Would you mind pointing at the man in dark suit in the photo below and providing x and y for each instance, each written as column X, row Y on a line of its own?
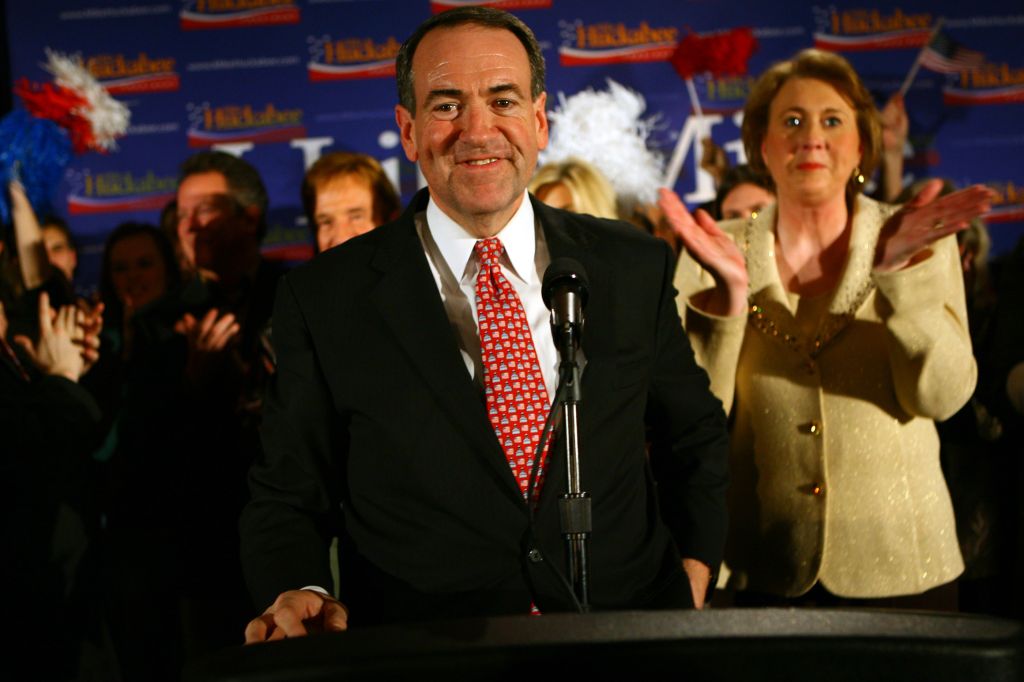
column 379, row 404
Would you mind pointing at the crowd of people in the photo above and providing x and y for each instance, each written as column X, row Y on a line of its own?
column 358, row 426
column 162, row 379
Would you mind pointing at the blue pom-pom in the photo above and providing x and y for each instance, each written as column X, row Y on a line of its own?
column 35, row 152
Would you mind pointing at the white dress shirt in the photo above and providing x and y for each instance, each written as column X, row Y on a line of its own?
column 453, row 262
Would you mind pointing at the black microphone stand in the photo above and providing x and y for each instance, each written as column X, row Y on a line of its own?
column 574, row 505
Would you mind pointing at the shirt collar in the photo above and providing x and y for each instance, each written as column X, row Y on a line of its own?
column 456, row 244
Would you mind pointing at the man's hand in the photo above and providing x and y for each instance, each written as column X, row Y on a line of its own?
column 209, row 335
column 296, row 613
column 699, row 574
column 207, row 339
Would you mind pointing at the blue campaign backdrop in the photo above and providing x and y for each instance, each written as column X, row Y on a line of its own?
column 281, row 81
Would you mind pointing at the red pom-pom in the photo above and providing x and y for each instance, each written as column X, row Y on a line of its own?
column 723, row 53
column 688, row 57
column 60, row 105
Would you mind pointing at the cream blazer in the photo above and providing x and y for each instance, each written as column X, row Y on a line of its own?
column 835, row 458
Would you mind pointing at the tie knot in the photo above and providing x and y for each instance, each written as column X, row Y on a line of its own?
column 489, row 251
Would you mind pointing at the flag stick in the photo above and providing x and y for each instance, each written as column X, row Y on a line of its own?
column 675, row 164
column 917, row 62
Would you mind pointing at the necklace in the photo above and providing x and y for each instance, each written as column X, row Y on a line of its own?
column 830, row 326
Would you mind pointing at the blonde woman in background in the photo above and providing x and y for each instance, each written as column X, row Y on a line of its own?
column 575, row 185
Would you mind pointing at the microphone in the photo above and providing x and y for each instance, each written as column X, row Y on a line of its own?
column 565, row 291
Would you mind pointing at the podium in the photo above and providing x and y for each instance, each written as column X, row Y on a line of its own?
column 721, row 645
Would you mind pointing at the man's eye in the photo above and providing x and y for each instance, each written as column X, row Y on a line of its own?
column 447, row 107
column 504, row 103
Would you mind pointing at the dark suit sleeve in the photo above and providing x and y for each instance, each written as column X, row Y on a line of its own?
column 287, row 526
column 49, row 426
column 688, row 438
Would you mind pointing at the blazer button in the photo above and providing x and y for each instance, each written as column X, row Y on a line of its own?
column 535, row 556
column 817, row 489
column 812, row 427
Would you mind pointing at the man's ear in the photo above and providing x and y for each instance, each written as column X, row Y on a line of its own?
column 252, row 218
column 405, row 121
column 541, row 114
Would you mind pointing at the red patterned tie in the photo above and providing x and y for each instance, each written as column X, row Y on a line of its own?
column 517, row 400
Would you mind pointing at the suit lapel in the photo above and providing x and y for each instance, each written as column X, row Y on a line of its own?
column 568, row 240
column 407, row 298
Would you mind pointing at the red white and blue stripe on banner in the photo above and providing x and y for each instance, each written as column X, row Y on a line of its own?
column 281, row 81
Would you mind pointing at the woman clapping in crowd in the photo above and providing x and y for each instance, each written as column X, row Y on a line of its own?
column 834, row 330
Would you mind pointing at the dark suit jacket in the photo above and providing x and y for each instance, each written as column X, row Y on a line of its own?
column 372, row 408
column 48, row 427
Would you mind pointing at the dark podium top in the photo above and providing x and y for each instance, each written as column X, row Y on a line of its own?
column 723, row 644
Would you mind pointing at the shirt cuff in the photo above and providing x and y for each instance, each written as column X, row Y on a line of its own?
column 317, row 588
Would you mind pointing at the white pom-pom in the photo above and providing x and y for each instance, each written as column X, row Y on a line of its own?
column 107, row 117
column 606, row 128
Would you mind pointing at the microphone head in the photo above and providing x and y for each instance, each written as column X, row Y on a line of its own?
column 565, row 272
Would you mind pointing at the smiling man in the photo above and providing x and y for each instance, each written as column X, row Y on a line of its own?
column 416, row 366
column 344, row 195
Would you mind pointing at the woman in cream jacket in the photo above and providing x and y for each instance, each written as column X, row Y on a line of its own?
column 834, row 331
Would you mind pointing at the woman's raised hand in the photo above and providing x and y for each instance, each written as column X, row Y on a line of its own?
column 714, row 250
column 907, row 235
column 55, row 352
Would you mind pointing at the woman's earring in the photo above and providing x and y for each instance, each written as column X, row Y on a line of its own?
column 858, row 177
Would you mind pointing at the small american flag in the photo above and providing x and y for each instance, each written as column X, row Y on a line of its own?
column 945, row 55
